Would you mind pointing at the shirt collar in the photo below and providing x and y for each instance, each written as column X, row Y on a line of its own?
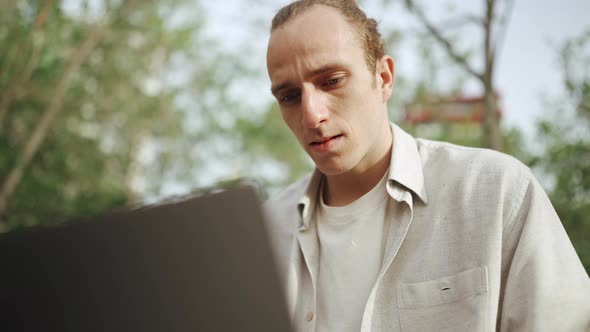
column 405, row 168
column 307, row 202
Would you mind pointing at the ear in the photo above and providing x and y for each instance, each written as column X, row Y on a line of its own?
column 386, row 71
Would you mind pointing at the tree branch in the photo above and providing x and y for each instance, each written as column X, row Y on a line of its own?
column 491, row 127
column 488, row 47
column 449, row 24
column 11, row 91
column 501, row 35
column 435, row 32
column 77, row 58
column 457, row 22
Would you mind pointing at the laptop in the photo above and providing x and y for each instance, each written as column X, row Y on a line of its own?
column 197, row 264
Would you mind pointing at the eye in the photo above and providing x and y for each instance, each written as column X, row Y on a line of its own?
column 290, row 97
column 332, row 82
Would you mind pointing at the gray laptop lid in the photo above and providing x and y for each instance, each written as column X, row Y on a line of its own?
column 202, row 264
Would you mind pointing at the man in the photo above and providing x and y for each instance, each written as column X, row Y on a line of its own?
column 392, row 233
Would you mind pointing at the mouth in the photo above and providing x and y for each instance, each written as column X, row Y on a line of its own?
column 325, row 143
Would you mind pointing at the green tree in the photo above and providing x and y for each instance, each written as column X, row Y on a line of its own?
column 565, row 136
column 269, row 140
column 426, row 93
column 491, row 26
column 85, row 95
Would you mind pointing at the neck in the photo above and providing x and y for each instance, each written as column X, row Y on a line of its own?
column 343, row 189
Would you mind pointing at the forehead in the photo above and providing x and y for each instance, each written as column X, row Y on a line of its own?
column 319, row 37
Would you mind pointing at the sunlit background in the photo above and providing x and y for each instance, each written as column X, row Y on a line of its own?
column 107, row 103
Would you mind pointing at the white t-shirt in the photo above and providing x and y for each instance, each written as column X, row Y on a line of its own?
column 352, row 241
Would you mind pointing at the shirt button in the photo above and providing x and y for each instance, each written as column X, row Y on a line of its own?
column 309, row 316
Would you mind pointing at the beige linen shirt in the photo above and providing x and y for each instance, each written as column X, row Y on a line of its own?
column 475, row 246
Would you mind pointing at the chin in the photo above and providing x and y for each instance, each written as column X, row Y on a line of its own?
column 331, row 169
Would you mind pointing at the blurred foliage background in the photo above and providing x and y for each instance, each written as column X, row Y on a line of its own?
column 107, row 103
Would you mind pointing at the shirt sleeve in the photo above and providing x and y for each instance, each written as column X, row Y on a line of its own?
column 545, row 286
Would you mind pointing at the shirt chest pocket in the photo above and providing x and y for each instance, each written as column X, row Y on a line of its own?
column 454, row 303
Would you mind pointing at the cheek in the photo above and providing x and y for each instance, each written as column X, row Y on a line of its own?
column 292, row 122
column 287, row 117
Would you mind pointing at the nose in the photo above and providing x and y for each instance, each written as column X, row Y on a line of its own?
column 314, row 108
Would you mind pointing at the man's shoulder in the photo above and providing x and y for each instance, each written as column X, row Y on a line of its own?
column 478, row 166
column 458, row 155
column 289, row 196
column 281, row 208
column 475, row 179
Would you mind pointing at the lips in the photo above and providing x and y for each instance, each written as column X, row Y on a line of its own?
column 324, row 144
column 324, row 140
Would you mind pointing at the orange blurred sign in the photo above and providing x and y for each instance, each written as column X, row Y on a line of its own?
column 455, row 109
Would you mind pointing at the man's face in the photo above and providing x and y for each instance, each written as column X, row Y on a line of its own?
column 333, row 103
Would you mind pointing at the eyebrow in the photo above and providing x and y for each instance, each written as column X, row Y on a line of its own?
column 327, row 68
column 275, row 89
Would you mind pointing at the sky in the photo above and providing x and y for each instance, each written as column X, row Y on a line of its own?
column 527, row 67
